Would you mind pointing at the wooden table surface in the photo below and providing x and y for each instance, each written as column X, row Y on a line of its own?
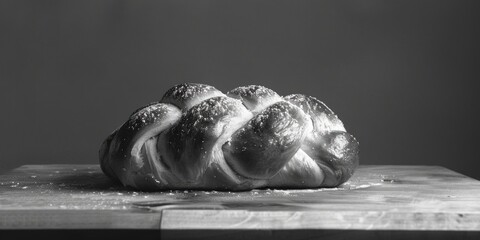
column 414, row 198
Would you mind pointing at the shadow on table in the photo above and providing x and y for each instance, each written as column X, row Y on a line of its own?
column 87, row 181
column 234, row 234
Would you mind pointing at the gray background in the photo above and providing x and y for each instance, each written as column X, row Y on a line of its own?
column 400, row 74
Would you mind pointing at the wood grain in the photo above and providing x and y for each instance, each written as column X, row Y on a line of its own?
column 376, row 198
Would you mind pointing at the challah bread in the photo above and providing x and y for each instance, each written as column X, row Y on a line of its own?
column 196, row 137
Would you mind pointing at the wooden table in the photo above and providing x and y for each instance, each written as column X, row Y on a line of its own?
column 387, row 200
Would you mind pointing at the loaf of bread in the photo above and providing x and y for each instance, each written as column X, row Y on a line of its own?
column 197, row 137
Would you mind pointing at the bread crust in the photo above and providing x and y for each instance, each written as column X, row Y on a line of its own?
column 196, row 137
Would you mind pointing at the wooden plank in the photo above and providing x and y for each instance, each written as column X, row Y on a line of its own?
column 75, row 219
column 326, row 219
column 69, row 197
column 376, row 198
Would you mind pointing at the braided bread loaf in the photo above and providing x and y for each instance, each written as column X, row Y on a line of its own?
column 196, row 137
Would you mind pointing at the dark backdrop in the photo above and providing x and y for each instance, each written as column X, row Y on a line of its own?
column 400, row 74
